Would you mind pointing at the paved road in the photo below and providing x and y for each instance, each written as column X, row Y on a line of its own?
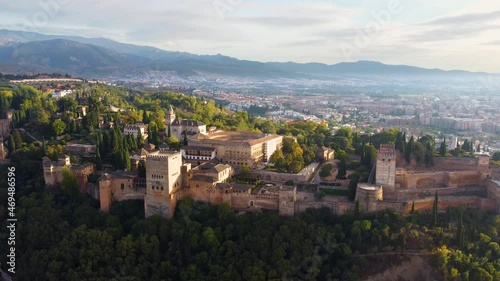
column 30, row 135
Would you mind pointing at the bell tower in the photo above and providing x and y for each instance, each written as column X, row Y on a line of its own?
column 170, row 118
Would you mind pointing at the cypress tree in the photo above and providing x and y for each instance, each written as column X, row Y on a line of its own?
column 363, row 155
column 465, row 146
column 11, row 145
column 145, row 117
column 435, row 209
column 117, row 160
column 357, row 210
column 399, row 141
column 43, row 145
column 98, row 160
column 100, row 137
column 140, row 141
column 429, row 155
column 153, row 133
column 100, row 143
column 126, row 160
column 461, row 232
column 107, row 142
column 413, row 208
column 142, row 169
column 448, row 215
column 132, row 142
column 117, row 141
column 342, row 169
column 409, row 149
column 353, row 184
column 18, row 139
column 150, row 133
column 442, row 148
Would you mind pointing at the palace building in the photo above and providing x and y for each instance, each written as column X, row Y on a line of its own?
column 240, row 148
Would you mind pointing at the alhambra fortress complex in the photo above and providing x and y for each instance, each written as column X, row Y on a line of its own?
column 203, row 170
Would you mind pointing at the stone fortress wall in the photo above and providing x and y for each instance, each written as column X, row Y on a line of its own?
column 168, row 181
column 458, row 181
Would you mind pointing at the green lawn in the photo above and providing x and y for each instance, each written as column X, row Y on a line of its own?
column 334, row 192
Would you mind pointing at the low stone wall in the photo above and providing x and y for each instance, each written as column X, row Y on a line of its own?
column 463, row 178
column 408, row 180
column 244, row 201
column 338, row 208
column 456, row 163
column 423, row 180
column 414, row 194
column 401, row 207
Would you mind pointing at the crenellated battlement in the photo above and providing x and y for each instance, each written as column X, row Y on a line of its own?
column 387, row 151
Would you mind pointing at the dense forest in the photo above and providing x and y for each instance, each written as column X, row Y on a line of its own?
column 66, row 238
column 63, row 236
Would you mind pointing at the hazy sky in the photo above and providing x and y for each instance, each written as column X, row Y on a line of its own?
column 447, row 34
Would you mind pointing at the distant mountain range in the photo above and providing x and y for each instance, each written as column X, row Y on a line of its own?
column 35, row 52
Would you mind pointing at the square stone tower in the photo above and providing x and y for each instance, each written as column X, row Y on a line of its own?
column 163, row 179
column 386, row 167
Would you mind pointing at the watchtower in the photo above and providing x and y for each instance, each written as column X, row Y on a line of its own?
column 163, row 179
column 105, row 196
column 386, row 167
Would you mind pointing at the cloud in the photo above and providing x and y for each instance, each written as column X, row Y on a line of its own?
column 304, row 43
column 456, row 27
column 464, row 19
column 493, row 43
column 426, row 33
column 454, row 32
column 278, row 22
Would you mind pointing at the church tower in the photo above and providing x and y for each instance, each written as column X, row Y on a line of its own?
column 170, row 116
column 386, row 167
